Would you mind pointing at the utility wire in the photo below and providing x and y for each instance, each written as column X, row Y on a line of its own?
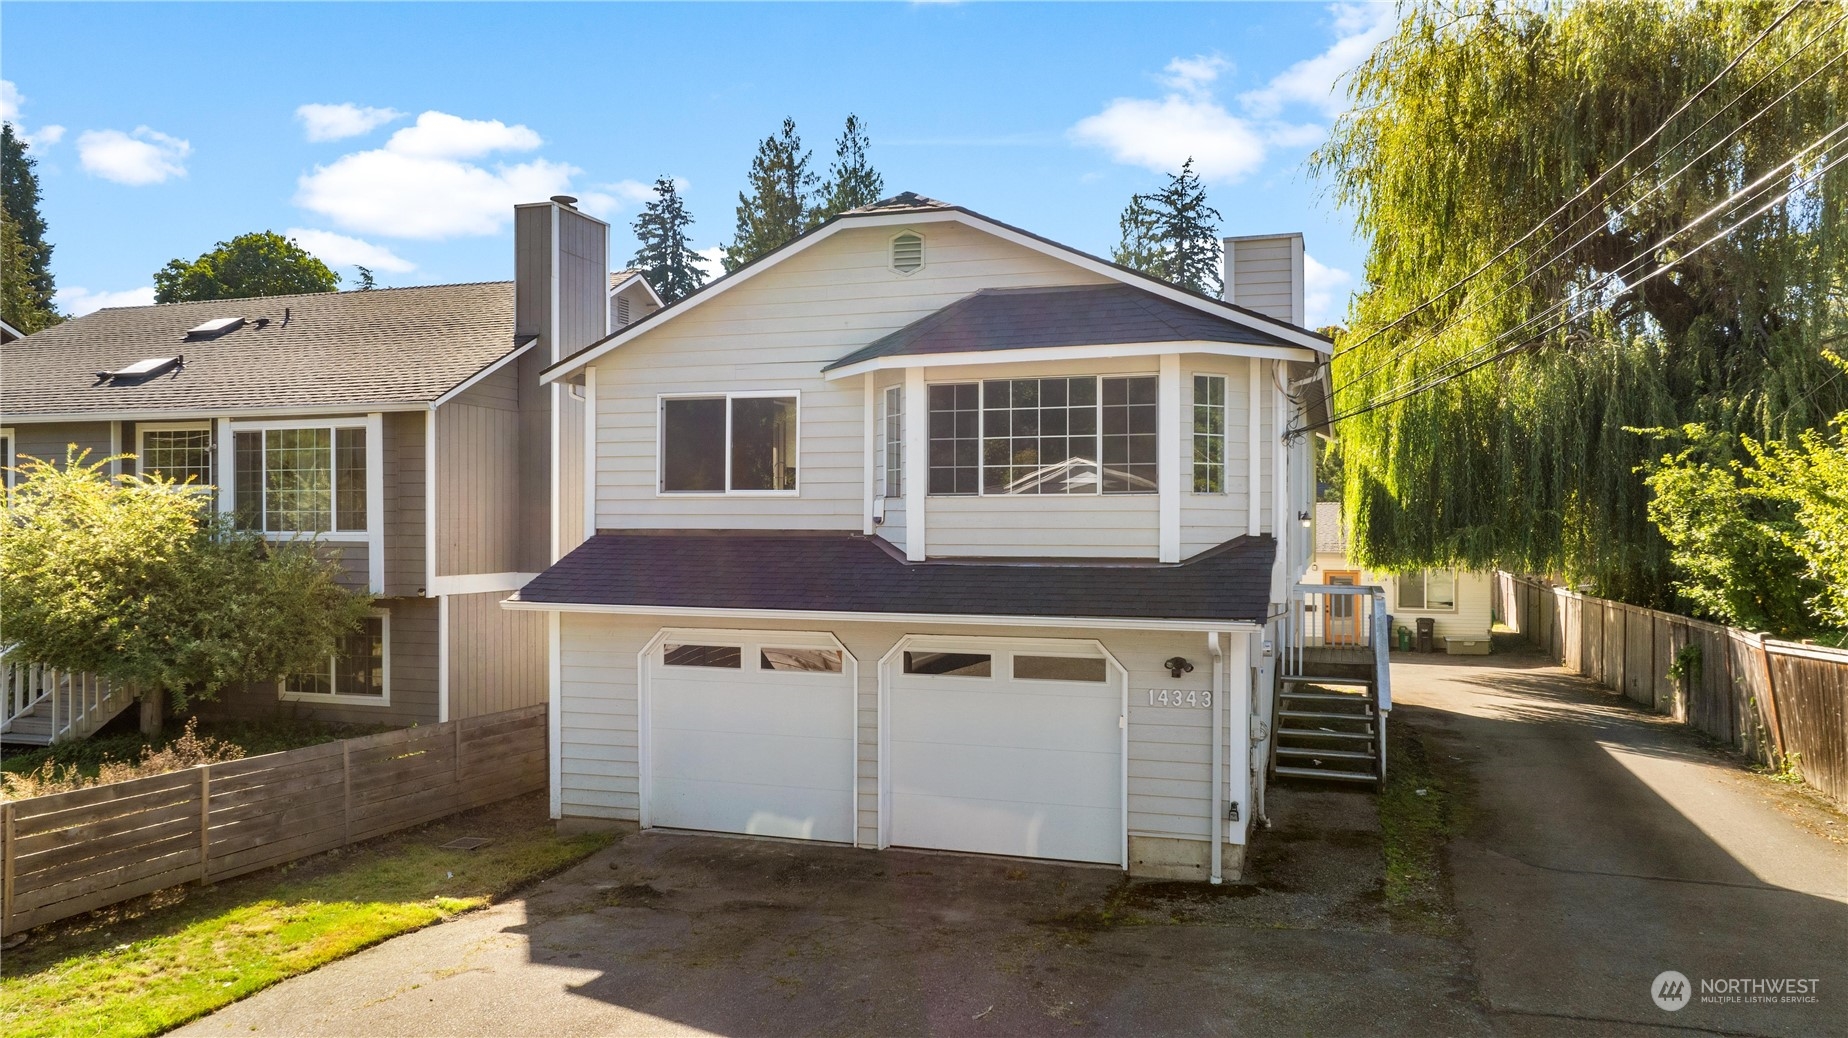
column 1400, row 351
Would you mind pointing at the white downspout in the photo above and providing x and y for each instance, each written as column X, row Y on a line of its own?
column 1215, row 874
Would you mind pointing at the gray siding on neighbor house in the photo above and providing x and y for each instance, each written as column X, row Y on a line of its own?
column 1262, row 274
column 51, row 441
column 497, row 657
column 478, row 473
column 413, row 680
column 405, row 534
column 1170, row 749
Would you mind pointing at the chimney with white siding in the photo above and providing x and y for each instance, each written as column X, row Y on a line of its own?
column 1264, row 272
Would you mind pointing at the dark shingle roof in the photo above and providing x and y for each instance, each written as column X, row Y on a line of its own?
column 1069, row 315
column 838, row 572
column 386, row 346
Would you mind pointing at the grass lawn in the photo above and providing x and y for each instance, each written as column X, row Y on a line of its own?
column 155, row 963
column 122, row 743
column 1425, row 802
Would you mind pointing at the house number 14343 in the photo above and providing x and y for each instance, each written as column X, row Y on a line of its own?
column 1180, row 697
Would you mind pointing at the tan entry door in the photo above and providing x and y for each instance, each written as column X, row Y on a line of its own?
column 1341, row 611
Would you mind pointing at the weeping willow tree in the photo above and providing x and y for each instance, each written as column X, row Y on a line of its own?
column 1479, row 123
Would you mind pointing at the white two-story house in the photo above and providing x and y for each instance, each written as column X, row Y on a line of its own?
column 925, row 531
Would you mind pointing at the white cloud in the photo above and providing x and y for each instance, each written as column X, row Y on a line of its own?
column 80, row 301
column 418, row 186
column 1160, row 135
column 10, row 100
column 44, row 136
column 144, row 157
column 341, row 251
column 1326, row 291
column 606, row 200
column 1192, row 76
column 712, row 261
column 334, row 122
column 438, row 135
column 1317, row 81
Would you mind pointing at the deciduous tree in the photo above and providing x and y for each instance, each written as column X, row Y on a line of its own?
column 262, row 263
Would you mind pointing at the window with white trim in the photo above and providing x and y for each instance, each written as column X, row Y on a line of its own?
column 180, row 453
column 310, row 479
column 1209, row 434
column 1428, row 590
column 1068, row 435
column 6, row 458
column 736, row 443
column 893, row 423
column 360, row 672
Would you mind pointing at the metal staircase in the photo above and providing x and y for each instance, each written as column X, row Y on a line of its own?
column 40, row 705
column 1333, row 686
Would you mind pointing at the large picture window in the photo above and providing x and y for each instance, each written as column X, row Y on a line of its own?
column 728, row 444
column 176, row 452
column 1209, row 434
column 1045, row 436
column 359, row 673
column 1428, row 590
column 303, row 480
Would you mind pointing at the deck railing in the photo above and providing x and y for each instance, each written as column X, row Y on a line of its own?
column 1338, row 623
column 73, row 703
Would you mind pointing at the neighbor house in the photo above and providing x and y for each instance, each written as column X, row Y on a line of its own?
column 405, row 429
column 926, row 531
column 1457, row 602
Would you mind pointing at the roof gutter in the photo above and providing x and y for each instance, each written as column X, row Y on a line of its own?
column 169, row 415
column 1098, row 622
column 1044, row 354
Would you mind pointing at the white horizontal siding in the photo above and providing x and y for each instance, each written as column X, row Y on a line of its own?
column 777, row 331
column 1170, row 748
column 1472, row 617
column 1097, row 525
column 1209, row 520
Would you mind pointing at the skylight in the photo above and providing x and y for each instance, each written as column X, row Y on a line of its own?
column 215, row 327
column 142, row 369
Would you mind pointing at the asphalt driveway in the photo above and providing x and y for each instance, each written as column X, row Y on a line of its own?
column 1598, row 846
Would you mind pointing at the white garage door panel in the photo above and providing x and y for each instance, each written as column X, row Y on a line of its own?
column 997, row 766
column 767, row 753
column 1084, row 779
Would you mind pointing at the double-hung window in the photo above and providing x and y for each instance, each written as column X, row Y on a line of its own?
column 182, row 453
column 1429, row 590
column 1209, row 434
column 359, row 672
column 731, row 443
column 1067, row 435
column 894, row 428
column 305, row 479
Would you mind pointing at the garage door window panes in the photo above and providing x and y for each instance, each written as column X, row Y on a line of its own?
column 1059, row 668
column 807, row 661
column 726, row 657
column 953, row 664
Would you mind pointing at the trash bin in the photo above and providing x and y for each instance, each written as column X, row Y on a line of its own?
column 1405, row 639
column 1427, row 633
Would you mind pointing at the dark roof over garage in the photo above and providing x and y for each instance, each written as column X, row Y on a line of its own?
column 1066, row 315
column 850, row 573
column 385, row 346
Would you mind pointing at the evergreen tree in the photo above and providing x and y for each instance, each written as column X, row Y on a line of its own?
column 664, row 251
column 263, row 263
column 779, row 205
column 1173, row 234
column 852, row 180
column 366, row 281
column 25, row 268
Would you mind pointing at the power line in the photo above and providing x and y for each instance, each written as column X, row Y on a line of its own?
column 1398, row 352
column 1426, row 385
column 1599, row 179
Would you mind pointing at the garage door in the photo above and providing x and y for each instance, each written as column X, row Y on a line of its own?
column 1006, row 751
column 752, row 735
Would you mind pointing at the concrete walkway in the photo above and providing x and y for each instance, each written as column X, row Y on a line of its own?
column 1607, row 845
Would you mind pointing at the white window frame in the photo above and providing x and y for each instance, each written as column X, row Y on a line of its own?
column 12, row 449
column 211, row 450
column 1225, row 433
column 892, row 449
column 373, row 533
column 981, row 435
column 1424, row 576
column 384, row 616
column 661, row 400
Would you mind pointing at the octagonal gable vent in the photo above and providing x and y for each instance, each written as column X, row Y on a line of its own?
column 907, row 252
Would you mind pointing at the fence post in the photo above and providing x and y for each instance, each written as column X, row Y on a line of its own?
column 1763, row 656
column 6, row 870
column 458, row 756
column 205, row 822
column 346, row 792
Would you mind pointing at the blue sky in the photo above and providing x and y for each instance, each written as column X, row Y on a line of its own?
column 400, row 135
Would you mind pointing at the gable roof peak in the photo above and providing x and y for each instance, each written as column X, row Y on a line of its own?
column 902, row 201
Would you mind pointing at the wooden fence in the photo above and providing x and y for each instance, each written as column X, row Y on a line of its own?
column 1766, row 698
column 70, row 853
